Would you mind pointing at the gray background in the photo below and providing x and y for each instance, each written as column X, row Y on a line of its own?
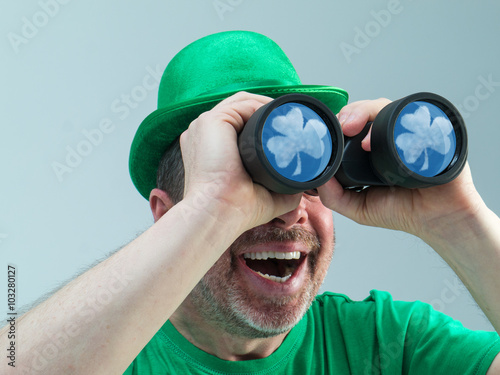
column 67, row 76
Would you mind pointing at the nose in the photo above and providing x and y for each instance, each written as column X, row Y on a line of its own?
column 297, row 216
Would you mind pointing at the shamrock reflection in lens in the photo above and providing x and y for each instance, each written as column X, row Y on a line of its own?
column 425, row 139
column 296, row 142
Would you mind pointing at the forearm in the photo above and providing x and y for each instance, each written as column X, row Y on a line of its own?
column 471, row 246
column 99, row 322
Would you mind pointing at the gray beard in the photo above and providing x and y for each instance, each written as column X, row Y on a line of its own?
column 235, row 314
column 236, row 319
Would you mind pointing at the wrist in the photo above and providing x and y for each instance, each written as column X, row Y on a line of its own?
column 471, row 247
column 461, row 232
column 210, row 217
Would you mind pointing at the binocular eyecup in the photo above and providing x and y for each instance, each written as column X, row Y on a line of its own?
column 295, row 144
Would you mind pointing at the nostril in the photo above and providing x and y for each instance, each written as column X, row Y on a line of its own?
column 277, row 220
column 313, row 192
column 286, row 221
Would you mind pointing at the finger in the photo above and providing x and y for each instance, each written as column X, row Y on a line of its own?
column 234, row 110
column 278, row 204
column 353, row 117
column 366, row 142
column 243, row 95
column 232, row 114
column 237, row 109
column 238, row 113
column 351, row 204
column 336, row 198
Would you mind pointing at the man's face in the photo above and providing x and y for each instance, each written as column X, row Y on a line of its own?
column 251, row 297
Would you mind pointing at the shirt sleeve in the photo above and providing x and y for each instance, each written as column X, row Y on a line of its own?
column 130, row 370
column 429, row 341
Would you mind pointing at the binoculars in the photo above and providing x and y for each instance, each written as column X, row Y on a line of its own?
column 295, row 144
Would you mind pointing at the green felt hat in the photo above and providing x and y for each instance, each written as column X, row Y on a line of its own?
column 200, row 76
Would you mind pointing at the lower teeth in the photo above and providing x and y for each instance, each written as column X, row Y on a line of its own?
column 276, row 279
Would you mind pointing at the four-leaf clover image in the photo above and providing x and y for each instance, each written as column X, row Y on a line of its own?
column 424, row 135
column 296, row 138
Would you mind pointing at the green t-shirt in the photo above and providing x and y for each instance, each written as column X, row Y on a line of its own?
column 341, row 336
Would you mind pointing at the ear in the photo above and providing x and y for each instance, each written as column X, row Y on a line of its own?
column 160, row 203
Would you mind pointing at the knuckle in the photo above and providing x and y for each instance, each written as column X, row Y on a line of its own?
column 183, row 136
column 241, row 94
column 205, row 116
column 384, row 101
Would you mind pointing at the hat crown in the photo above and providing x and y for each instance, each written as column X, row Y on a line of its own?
column 232, row 60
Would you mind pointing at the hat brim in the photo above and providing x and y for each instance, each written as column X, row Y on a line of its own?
column 160, row 129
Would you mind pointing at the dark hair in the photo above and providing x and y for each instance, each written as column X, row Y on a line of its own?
column 170, row 176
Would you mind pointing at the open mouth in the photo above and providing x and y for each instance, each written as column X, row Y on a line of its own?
column 273, row 265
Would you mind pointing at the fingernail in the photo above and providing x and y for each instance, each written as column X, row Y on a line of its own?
column 342, row 117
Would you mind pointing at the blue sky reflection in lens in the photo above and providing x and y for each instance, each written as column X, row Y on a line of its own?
column 296, row 142
column 425, row 139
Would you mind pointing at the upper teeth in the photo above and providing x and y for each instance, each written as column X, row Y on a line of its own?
column 273, row 255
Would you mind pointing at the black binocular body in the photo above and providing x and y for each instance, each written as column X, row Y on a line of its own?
column 295, row 144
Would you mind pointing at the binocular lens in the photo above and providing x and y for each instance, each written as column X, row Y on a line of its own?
column 297, row 142
column 292, row 144
column 425, row 139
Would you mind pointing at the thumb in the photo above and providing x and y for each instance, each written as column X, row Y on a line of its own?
column 273, row 204
column 345, row 202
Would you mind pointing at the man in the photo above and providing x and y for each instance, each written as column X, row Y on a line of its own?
column 198, row 266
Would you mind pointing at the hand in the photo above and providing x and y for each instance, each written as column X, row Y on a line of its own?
column 416, row 211
column 214, row 173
